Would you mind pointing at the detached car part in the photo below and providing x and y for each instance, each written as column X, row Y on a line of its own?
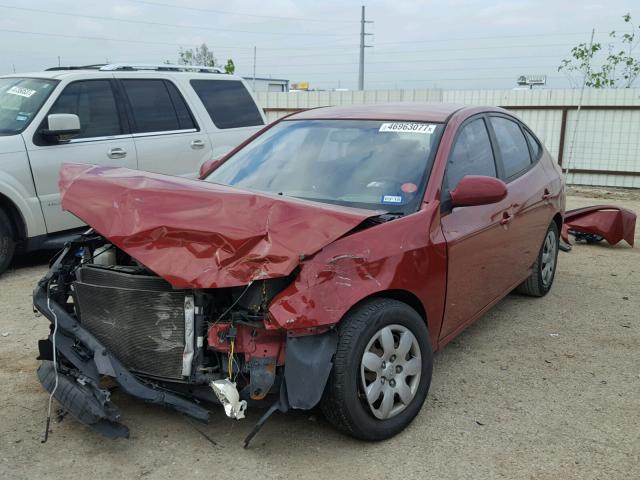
column 592, row 224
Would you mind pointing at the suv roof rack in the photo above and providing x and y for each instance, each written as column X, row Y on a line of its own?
column 160, row 67
column 97, row 66
column 166, row 67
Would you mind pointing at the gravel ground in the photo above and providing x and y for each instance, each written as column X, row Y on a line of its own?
column 537, row 389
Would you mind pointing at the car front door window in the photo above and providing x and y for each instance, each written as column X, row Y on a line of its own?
column 471, row 154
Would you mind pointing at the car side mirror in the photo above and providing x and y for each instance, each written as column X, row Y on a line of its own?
column 478, row 190
column 209, row 166
column 62, row 126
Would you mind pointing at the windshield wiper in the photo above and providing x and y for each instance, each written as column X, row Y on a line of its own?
column 385, row 217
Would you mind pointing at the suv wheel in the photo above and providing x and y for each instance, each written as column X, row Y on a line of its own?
column 7, row 242
column 381, row 372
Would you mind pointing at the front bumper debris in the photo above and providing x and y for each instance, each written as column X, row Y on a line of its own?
column 82, row 395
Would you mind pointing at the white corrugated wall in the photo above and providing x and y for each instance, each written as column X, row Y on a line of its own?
column 596, row 139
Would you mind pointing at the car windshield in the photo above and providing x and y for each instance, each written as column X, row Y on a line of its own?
column 372, row 164
column 20, row 100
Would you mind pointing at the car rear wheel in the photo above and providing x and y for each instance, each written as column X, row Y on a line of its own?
column 381, row 372
column 544, row 270
column 7, row 242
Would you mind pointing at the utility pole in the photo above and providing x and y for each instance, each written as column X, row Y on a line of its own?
column 58, row 60
column 254, row 69
column 362, row 47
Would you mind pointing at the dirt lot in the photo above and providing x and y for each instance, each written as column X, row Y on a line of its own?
column 537, row 389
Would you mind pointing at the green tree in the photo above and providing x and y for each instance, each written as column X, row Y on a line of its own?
column 202, row 55
column 612, row 66
column 229, row 67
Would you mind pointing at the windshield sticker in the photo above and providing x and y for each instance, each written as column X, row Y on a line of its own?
column 408, row 128
column 22, row 118
column 23, row 92
column 393, row 199
column 409, row 187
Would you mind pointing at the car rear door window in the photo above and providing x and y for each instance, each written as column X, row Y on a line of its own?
column 536, row 149
column 95, row 104
column 228, row 103
column 471, row 154
column 514, row 151
column 156, row 106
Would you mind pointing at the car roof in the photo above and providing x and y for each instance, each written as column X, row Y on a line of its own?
column 404, row 111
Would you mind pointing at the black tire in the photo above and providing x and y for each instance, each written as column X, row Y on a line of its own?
column 7, row 242
column 537, row 285
column 344, row 403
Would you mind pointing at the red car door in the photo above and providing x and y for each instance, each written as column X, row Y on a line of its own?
column 477, row 237
column 529, row 211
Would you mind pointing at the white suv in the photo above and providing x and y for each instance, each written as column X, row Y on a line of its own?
column 160, row 118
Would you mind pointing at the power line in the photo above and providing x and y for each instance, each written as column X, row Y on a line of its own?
column 174, row 25
column 146, row 42
column 462, row 69
column 224, row 12
column 425, row 60
column 492, row 37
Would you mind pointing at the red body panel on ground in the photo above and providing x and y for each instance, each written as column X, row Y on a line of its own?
column 612, row 223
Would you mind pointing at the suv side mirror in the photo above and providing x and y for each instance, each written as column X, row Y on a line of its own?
column 62, row 126
column 478, row 190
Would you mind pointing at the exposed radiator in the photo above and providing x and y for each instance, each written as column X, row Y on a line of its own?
column 140, row 319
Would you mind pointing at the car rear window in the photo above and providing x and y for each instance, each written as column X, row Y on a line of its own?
column 514, row 151
column 156, row 106
column 536, row 149
column 228, row 103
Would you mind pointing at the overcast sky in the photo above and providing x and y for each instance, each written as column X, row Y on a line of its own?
column 416, row 44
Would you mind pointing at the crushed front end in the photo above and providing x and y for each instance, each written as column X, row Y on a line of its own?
column 118, row 323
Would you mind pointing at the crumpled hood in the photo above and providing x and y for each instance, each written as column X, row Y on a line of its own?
column 196, row 234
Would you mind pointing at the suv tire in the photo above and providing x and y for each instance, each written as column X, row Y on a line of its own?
column 7, row 242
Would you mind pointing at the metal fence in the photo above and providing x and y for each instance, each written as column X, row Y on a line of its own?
column 600, row 145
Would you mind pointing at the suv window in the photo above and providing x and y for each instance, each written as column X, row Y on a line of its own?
column 471, row 154
column 514, row 151
column 228, row 103
column 536, row 149
column 156, row 106
column 94, row 103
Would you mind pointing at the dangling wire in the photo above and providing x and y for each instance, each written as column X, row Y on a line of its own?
column 55, row 366
column 230, row 358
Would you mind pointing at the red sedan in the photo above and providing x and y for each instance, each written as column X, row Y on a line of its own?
column 321, row 262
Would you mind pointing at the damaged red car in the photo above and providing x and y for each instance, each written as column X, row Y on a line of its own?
column 322, row 262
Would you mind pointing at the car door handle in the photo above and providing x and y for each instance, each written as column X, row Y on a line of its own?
column 547, row 194
column 197, row 144
column 117, row 153
column 506, row 218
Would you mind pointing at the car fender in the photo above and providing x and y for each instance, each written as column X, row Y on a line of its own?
column 407, row 254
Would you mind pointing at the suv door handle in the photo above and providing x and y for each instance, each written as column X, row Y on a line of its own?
column 506, row 218
column 197, row 144
column 547, row 195
column 117, row 153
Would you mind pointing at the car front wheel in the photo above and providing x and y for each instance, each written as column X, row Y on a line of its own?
column 382, row 370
